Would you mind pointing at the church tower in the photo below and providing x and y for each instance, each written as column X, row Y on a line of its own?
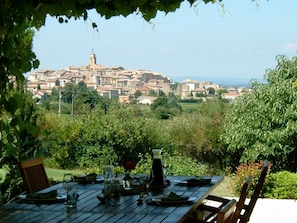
column 92, row 59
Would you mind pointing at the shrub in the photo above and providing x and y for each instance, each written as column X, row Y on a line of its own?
column 243, row 171
column 281, row 185
column 177, row 165
column 185, row 166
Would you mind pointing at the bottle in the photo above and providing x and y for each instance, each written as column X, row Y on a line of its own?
column 116, row 186
column 157, row 169
column 107, row 190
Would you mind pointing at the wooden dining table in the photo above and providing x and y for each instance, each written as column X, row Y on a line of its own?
column 127, row 208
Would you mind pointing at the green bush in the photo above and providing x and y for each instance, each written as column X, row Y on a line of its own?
column 178, row 165
column 281, row 185
column 185, row 166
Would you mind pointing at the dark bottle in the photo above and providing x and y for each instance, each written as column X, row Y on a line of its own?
column 157, row 169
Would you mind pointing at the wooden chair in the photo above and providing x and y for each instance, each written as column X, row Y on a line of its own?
column 248, row 208
column 34, row 175
column 221, row 202
column 243, row 211
column 223, row 215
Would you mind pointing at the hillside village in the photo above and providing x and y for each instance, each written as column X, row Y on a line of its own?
column 116, row 82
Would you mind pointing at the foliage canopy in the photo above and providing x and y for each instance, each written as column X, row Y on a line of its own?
column 262, row 124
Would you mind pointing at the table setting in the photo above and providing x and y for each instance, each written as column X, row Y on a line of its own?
column 114, row 196
column 171, row 199
column 89, row 178
column 194, row 181
column 42, row 198
column 171, row 203
column 151, row 188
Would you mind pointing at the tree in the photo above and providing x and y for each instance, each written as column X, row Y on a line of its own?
column 137, row 94
column 68, row 91
column 211, row 91
column 165, row 106
column 200, row 94
column 221, row 91
column 172, row 102
column 262, row 124
column 152, row 93
column 18, row 125
column 82, row 98
column 16, row 57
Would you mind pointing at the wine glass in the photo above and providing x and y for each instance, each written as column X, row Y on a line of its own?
column 145, row 182
column 166, row 165
column 68, row 177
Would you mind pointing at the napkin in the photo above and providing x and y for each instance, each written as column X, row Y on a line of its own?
column 199, row 181
column 174, row 197
column 43, row 196
column 86, row 178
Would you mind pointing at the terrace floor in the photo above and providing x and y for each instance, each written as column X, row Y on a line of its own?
column 274, row 211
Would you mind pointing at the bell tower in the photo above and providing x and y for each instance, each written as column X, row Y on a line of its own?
column 92, row 61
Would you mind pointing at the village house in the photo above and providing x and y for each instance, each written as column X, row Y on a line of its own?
column 116, row 82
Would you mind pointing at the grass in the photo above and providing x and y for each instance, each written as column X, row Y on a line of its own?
column 225, row 188
column 57, row 174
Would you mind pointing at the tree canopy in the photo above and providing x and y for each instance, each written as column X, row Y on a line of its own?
column 262, row 124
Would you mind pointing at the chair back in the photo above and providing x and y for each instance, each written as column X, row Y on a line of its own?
column 34, row 175
column 243, row 195
column 248, row 209
column 226, row 213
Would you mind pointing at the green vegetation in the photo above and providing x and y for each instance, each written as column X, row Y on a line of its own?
column 281, row 185
column 20, row 18
column 226, row 188
column 74, row 99
column 124, row 132
column 166, row 106
column 56, row 175
column 205, row 138
column 262, row 124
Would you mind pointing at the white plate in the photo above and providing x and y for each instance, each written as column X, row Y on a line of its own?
column 173, row 202
column 60, row 197
column 204, row 181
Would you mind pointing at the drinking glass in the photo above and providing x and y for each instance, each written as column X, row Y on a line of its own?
column 108, row 170
column 71, row 190
column 68, row 177
column 145, row 181
column 71, row 194
column 166, row 165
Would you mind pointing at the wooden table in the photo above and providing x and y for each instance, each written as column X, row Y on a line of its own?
column 89, row 209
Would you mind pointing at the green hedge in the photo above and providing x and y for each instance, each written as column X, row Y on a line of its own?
column 281, row 185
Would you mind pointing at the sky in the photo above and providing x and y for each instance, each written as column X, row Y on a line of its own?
column 233, row 44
